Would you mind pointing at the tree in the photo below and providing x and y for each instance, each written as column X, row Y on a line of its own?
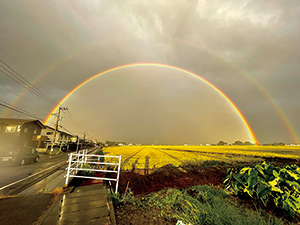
column 222, row 143
column 247, row 143
column 111, row 143
column 238, row 143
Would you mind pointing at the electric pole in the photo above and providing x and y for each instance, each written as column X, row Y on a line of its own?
column 56, row 125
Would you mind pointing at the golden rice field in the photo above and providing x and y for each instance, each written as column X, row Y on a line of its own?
column 141, row 157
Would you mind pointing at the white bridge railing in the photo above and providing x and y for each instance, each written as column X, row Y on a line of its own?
column 76, row 161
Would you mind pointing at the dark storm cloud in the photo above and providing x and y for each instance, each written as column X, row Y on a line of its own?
column 249, row 49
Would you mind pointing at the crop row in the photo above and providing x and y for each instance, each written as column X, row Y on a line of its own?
column 140, row 157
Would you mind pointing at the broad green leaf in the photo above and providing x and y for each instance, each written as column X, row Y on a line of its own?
column 249, row 191
column 262, row 181
column 275, row 174
column 296, row 199
column 295, row 176
column 229, row 170
column 269, row 169
column 276, row 189
column 262, row 191
column 268, row 177
column 293, row 185
column 252, row 181
column 244, row 170
column 274, row 182
column 260, row 169
column 282, row 171
column 285, row 205
column 253, row 172
column 292, row 204
column 235, row 176
column 278, row 200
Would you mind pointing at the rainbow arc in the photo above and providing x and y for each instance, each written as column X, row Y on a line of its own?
column 222, row 94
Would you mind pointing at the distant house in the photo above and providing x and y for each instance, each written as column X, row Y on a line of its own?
column 61, row 137
column 21, row 132
column 65, row 137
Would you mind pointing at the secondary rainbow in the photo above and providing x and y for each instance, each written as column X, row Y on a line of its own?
column 234, row 107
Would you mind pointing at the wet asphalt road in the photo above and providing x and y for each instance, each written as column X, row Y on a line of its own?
column 11, row 173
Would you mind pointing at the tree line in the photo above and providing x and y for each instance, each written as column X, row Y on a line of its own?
column 238, row 142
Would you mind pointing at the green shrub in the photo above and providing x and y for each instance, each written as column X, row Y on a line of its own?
column 268, row 184
column 100, row 152
column 121, row 199
column 86, row 173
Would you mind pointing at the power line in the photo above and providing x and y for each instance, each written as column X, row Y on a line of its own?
column 73, row 120
column 22, row 97
column 15, row 76
column 16, row 109
column 24, row 112
column 68, row 130
column 25, row 71
column 26, row 86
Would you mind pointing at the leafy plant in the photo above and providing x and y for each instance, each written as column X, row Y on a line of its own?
column 268, row 184
column 100, row 152
column 121, row 199
column 87, row 173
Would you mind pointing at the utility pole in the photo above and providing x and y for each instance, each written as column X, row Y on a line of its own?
column 77, row 144
column 56, row 126
column 84, row 137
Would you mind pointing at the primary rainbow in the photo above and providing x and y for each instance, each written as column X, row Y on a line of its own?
column 234, row 107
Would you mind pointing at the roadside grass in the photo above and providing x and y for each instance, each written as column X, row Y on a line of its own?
column 201, row 205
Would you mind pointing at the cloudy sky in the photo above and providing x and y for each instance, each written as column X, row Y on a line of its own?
column 249, row 50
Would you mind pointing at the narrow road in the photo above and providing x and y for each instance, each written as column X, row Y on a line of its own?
column 11, row 173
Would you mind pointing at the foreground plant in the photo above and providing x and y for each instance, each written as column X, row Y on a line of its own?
column 87, row 170
column 202, row 205
column 121, row 199
column 268, row 184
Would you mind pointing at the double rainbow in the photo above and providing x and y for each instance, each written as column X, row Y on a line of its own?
column 233, row 106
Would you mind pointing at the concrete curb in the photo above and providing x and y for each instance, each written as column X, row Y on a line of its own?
column 111, row 210
column 54, row 204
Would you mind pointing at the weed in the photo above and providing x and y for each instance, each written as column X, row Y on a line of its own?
column 202, row 205
column 121, row 199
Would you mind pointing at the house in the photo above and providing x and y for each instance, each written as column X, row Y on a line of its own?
column 21, row 132
column 65, row 137
column 61, row 137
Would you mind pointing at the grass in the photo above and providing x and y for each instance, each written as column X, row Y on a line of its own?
column 201, row 205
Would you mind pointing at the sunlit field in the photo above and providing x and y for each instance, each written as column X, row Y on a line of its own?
column 140, row 157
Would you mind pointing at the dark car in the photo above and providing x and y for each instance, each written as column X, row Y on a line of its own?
column 21, row 155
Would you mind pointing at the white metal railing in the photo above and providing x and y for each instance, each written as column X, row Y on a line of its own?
column 76, row 160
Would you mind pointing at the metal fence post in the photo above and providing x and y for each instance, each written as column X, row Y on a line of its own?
column 119, row 167
column 68, row 172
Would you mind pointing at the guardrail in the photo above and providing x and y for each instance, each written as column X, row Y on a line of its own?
column 77, row 160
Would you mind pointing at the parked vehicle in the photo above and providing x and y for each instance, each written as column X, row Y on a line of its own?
column 57, row 147
column 20, row 155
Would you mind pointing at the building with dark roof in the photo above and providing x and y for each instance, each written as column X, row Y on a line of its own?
column 20, row 132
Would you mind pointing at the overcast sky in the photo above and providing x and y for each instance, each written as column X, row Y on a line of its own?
column 250, row 50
